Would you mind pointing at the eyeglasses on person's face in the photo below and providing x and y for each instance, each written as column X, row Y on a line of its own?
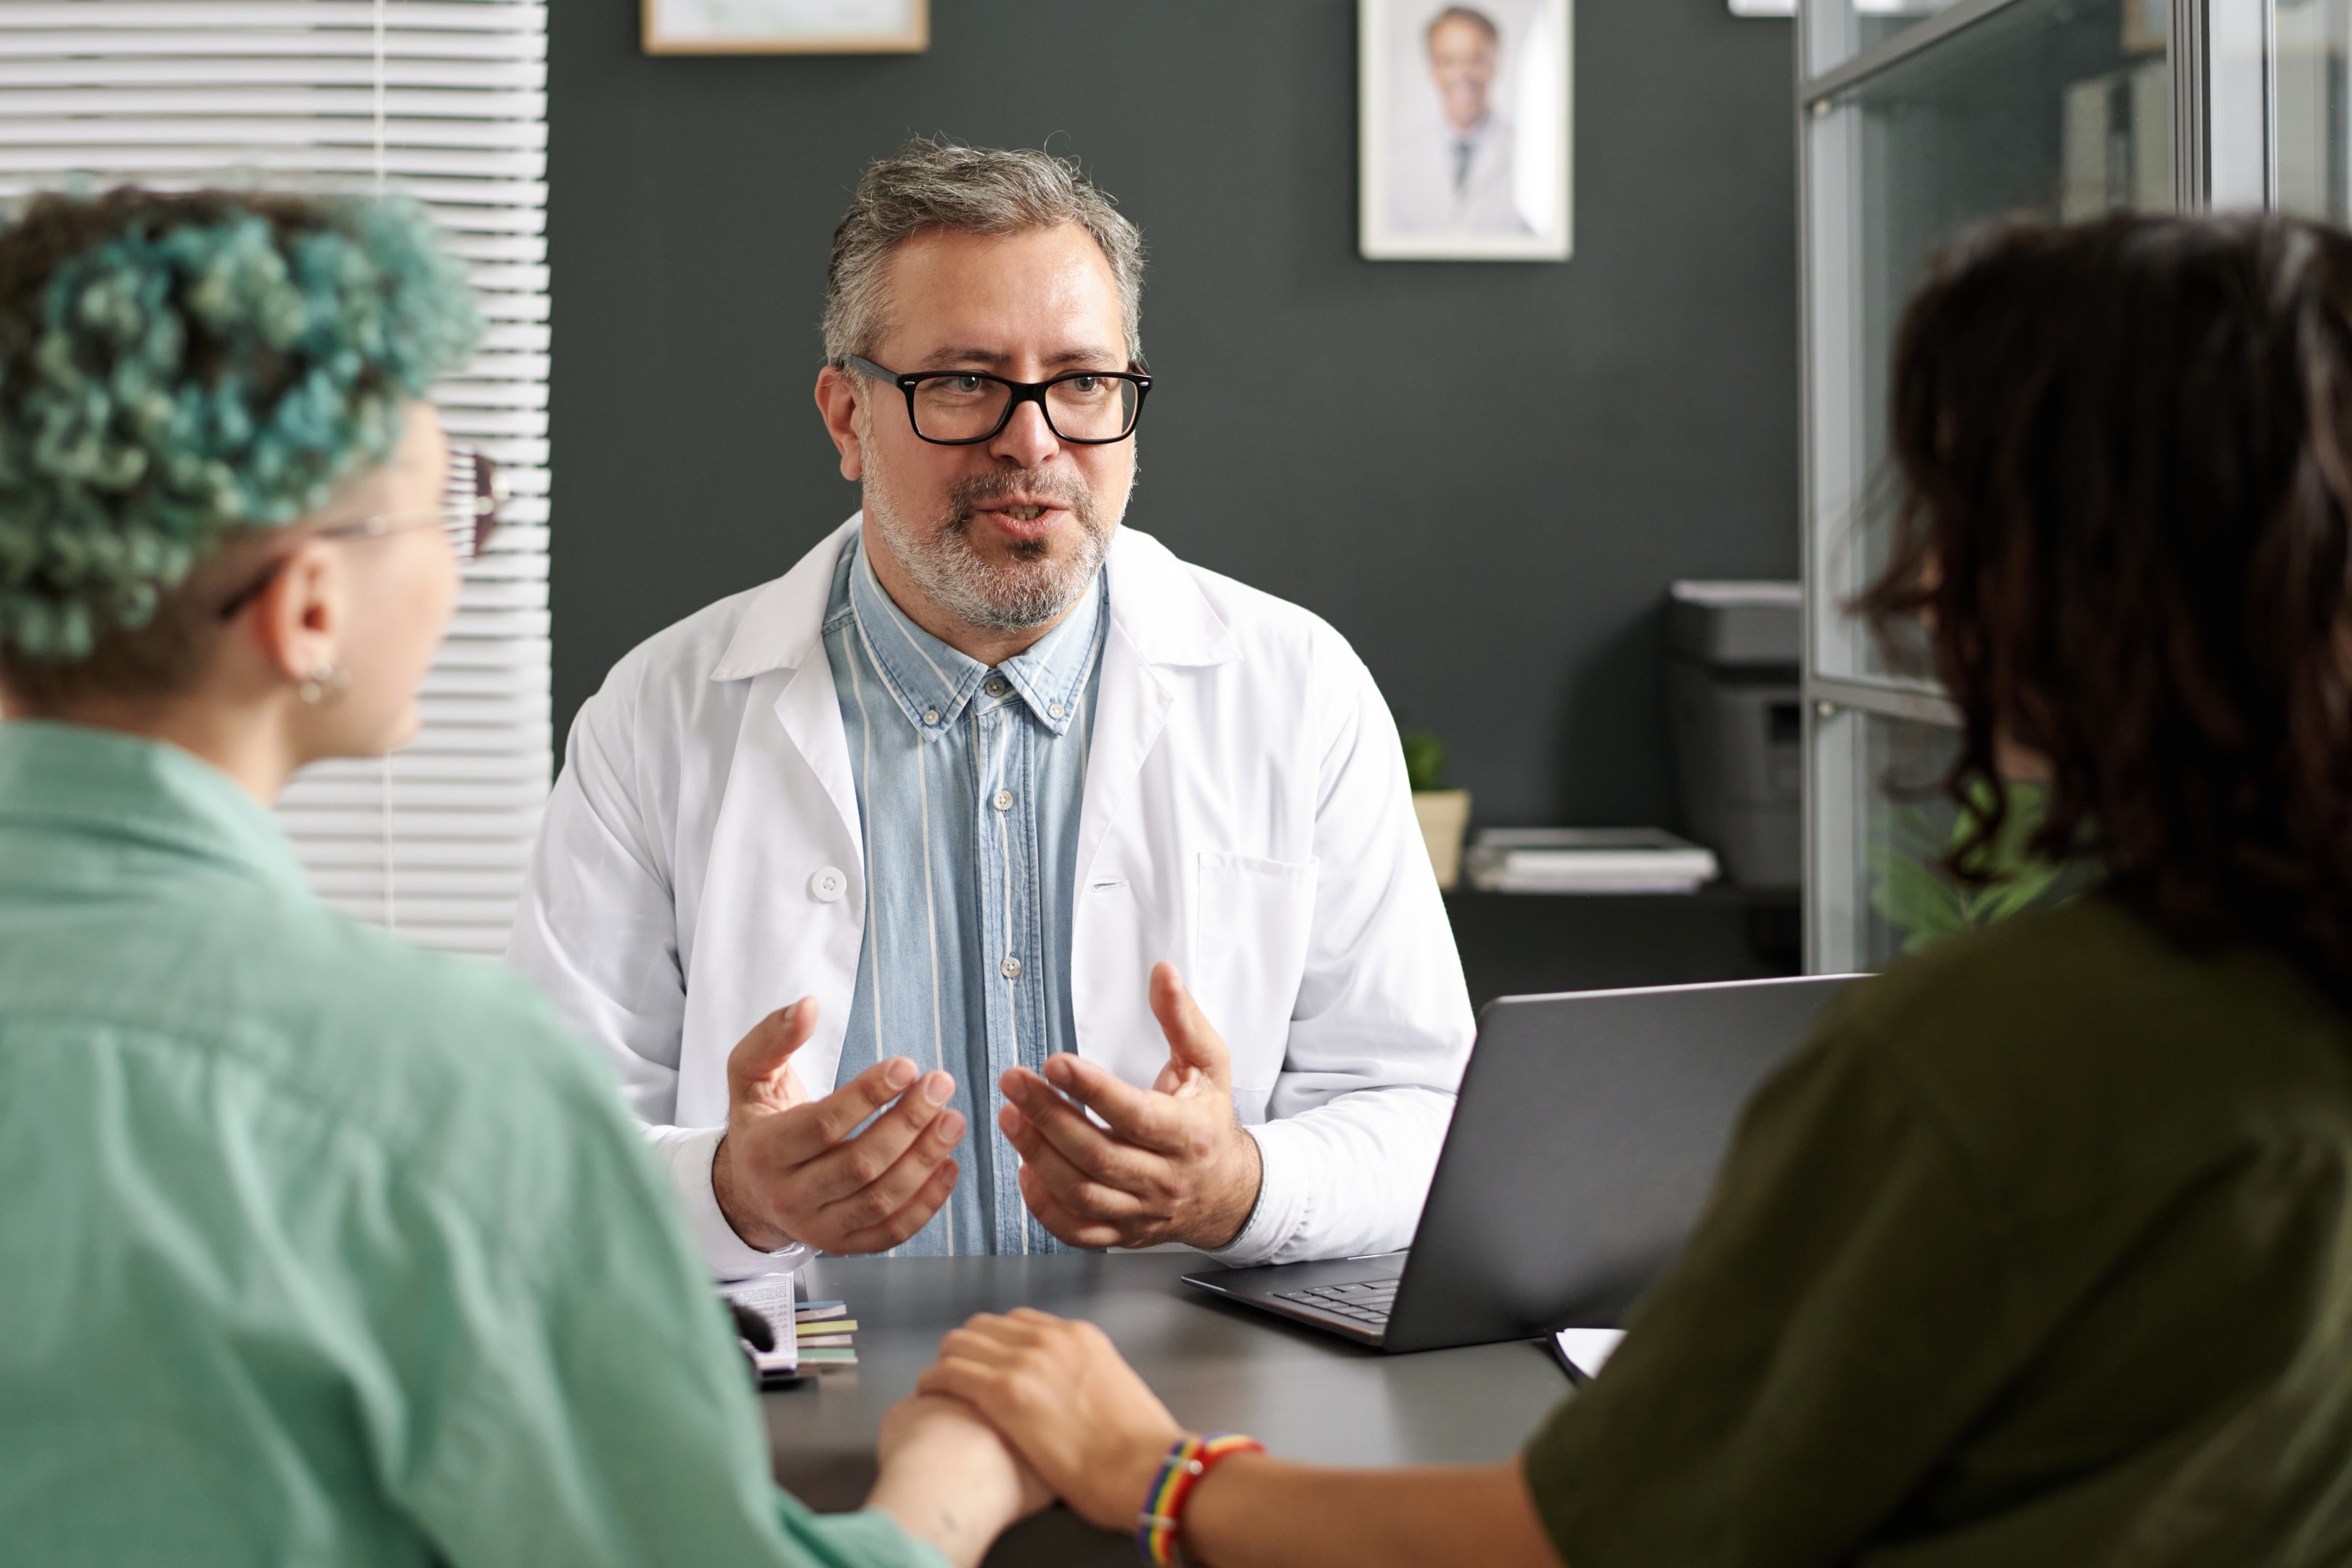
column 965, row 407
column 471, row 500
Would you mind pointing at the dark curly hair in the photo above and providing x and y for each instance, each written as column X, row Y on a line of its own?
column 2124, row 455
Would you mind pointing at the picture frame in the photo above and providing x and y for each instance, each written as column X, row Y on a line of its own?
column 786, row 26
column 1464, row 130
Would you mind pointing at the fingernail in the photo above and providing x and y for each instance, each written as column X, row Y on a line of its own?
column 898, row 1072
column 950, row 1126
column 939, row 1088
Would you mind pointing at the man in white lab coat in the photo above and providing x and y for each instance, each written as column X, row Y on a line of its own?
column 993, row 881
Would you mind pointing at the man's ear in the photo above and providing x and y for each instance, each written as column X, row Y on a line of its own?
column 300, row 619
column 838, row 400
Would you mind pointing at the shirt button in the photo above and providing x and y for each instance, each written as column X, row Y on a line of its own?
column 1053, row 709
column 827, row 886
column 997, row 686
column 1010, row 968
column 1002, row 800
column 931, row 715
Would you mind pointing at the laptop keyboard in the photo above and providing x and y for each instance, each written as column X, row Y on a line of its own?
column 1367, row 1301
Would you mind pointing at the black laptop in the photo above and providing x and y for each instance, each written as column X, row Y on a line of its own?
column 1585, row 1138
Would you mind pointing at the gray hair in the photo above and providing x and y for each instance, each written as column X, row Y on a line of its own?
column 970, row 190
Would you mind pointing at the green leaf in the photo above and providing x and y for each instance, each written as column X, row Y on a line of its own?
column 1424, row 760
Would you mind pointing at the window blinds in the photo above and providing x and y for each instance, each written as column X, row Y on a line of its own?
column 446, row 101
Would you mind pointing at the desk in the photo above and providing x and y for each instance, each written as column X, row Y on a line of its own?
column 1220, row 1367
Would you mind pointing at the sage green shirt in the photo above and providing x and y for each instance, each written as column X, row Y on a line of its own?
column 318, row 1249
column 2039, row 1254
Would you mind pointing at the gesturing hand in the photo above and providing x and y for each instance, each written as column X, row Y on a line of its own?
column 1173, row 1165
column 1058, row 1391
column 788, row 1170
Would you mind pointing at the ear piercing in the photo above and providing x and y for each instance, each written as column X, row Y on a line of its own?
column 326, row 686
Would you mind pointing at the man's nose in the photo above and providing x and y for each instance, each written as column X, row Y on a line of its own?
column 1027, row 439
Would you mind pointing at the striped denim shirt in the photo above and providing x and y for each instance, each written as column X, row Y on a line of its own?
column 970, row 781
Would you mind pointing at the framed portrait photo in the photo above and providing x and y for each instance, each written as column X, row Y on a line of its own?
column 786, row 26
column 1463, row 130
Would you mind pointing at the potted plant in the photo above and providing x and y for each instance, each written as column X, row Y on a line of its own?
column 1912, row 892
column 1444, row 814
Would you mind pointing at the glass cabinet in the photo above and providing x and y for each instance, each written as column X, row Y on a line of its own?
column 1921, row 120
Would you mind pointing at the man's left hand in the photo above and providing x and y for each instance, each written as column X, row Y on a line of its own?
column 1169, row 1163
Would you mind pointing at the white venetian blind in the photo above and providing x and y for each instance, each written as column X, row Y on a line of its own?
column 444, row 101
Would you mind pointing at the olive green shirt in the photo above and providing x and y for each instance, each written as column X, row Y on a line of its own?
column 2039, row 1253
column 318, row 1249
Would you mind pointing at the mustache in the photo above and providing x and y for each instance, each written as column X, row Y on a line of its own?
column 977, row 491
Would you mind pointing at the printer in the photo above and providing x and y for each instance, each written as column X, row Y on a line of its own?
column 1735, row 723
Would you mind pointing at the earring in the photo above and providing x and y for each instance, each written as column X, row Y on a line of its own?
column 326, row 686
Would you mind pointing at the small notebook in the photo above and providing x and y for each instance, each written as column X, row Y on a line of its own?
column 771, row 1296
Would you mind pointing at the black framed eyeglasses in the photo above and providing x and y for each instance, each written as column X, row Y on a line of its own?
column 964, row 407
column 471, row 500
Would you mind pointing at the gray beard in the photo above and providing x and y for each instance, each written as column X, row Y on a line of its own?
column 1031, row 590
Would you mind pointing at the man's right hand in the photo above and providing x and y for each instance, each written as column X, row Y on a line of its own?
column 788, row 1170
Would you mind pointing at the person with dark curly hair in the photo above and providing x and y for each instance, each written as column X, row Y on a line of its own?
column 2040, row 1251
column 314, row 1247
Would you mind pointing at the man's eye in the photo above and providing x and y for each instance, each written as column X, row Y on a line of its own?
column 964, row 384
column 1086, row 383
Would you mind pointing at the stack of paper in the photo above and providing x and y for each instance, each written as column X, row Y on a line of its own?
column 823, row 1330
column 1587, row 860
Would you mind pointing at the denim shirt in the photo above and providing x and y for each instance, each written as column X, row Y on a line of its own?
column 970, row 783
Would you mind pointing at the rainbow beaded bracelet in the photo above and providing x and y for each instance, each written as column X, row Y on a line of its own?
column 1159, row 1527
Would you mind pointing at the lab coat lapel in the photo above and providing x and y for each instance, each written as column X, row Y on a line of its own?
column 1134, row 702
column 790, row 810
column 1159, row 620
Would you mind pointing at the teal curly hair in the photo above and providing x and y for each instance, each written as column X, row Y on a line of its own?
column 177, row 369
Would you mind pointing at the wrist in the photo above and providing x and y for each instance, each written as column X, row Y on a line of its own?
column 945, row 1495
column 1190, row 1461
column 1236, row 1203
column 754, row 1231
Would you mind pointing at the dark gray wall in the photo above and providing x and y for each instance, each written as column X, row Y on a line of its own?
column 1483, row 474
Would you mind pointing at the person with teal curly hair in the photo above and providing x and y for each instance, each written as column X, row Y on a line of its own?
column 318, row 1247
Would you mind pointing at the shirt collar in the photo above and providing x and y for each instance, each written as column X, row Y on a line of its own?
column 933, row 684
column 106, row 785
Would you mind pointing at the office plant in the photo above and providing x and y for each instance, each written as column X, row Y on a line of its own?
column 1912, row 891
column 1444, row 814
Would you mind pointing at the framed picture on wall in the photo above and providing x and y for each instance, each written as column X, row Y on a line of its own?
column 1463, row 135
column 786, row 26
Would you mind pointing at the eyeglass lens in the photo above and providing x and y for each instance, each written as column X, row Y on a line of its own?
column 970, row 408
column 470, row 502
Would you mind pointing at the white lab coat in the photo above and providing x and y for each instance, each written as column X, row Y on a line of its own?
column 1423, row 198
column 1246, row 815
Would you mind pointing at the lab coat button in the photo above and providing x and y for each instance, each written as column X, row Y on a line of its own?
column 827, row 886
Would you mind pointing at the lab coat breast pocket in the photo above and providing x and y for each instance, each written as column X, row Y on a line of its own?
column 1250, row 954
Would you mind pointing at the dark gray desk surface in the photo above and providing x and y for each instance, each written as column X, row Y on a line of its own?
column 1219, row 1368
